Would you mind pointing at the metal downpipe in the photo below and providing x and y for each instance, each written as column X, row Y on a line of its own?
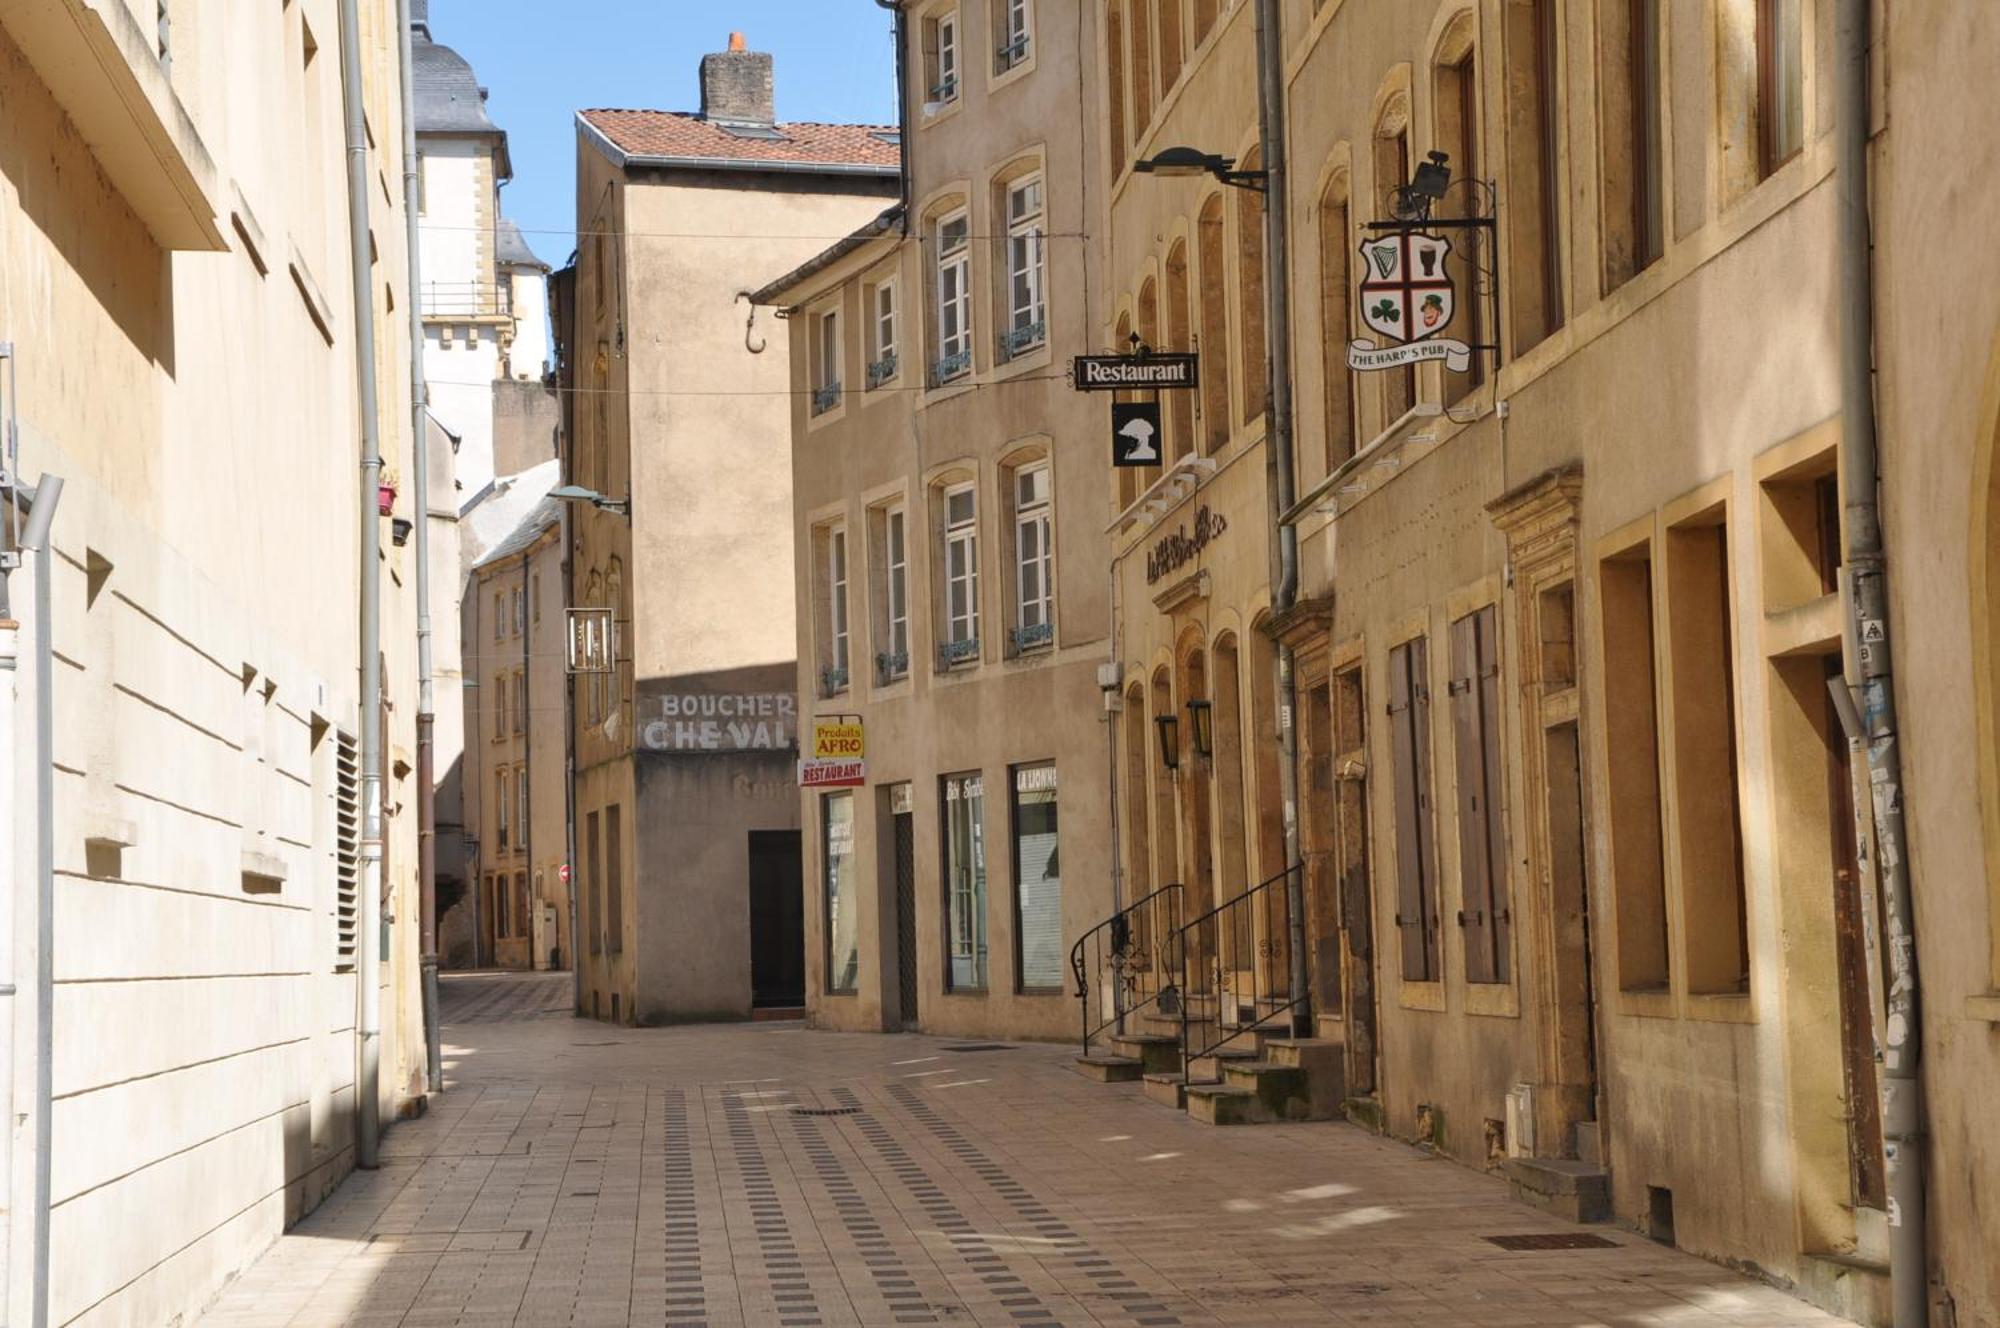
column 41, row 516
column 368, row 975
column 1278, row 471
column 420, row 461
column 1870, row 669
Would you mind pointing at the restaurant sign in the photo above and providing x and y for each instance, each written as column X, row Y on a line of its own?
column 1179, row 547
column 839, row 755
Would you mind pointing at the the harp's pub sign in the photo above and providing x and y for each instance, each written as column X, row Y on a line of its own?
column 1407, row 297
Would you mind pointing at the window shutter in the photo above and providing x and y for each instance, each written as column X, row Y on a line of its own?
column 1410, row 837
column 1475, row 890
column 1420, row 743
column 1496, row 824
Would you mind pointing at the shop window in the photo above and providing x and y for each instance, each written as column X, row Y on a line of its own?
column 843, row 905
column 1632, row 749
column 965, row 882
column 1534, row 135
column 1702, row 674
column 1629, row 145
column 1038, row 931
column 1416, row 848
column 1485, row 905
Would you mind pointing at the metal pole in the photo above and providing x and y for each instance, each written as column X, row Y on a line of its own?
column 368, row 978
column 12, row 816
column 1902, row 1088
column 1279, row 480
column 48, row 493
column 572, row 884
column 420, row 454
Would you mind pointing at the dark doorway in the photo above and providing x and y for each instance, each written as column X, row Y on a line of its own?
column 906, row 918
column 777, row 921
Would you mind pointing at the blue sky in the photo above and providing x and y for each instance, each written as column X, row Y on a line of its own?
column 543, row 61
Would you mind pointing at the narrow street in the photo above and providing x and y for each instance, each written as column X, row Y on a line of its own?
column 768, row 1175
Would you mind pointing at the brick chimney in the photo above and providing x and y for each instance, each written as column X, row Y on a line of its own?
column 737, row 85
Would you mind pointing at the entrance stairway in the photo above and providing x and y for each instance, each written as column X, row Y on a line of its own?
column 1199, row 1013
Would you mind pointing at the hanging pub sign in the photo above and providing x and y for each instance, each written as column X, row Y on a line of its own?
column 1145, row 371
column 1135, row 433
column 1407, row 296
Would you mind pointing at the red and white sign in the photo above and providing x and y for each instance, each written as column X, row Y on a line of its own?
column 833, row 774
column 563, row 872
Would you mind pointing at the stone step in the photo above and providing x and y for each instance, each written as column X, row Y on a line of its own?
column 1158, row 1052
column 1220, row 1104
column 1288, row 1092
column 1167, row 1089
column 1849, row 1285
column 1589, row 1143
column 1210, row 1066
column 1108, row 1069
column 1578, row 1191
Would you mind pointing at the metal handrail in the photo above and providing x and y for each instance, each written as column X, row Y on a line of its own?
column 1138, row 978
column 1240, row 979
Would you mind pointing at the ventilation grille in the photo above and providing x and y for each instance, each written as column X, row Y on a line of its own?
column 346, row 849
column 1558, row 1240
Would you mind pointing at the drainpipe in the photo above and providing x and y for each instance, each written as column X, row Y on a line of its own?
column 11, row 818
column 1278, row 478
column 1870, row 670
column 367, row 1109
column 574, row 884
column 902, row 105
column 420, row 452
column 525, row 703
column 35, row 535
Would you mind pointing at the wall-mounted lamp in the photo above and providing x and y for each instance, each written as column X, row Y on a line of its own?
column 1193, row 161
column 1201, row 728
column 574, row 493
column 1170, row 740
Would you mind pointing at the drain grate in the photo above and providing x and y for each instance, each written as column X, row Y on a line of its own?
column 826, row 1111
column 1560, row 1240
column 978, row 1046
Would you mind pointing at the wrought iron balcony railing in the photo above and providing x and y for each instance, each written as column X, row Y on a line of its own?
column 882, row 370
column 957, row 365
column 826, row 398
column 1033, row 637
column 1013, row 53
column 467, row 299
column 1016, row 341
column 953, row 653
column 891, row 665
column 832, row 681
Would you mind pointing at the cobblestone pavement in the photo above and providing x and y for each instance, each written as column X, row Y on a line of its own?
column 579, row 1173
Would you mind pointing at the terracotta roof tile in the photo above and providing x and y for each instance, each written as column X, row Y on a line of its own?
column 681, row 134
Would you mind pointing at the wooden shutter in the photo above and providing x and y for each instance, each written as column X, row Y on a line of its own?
column 1496, row 823
column 1409, row 727
column 1420, row 741
column 1475, row 877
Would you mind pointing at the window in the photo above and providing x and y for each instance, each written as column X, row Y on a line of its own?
column 1534, row 117
column 499, row 616
column 1629, row 144
column 1179, row 418
column 499, row 706
column 882, row 323
column 614, row 878
column 965, row 882
column 1034, row 559
column 1456, row 105
column 1114, row 83
column 503, row 808
column 522, row 918
column 894, row 662
column 1392, row 171
column 1038, row 933
column 1142, row 66
column 1484, row 916
column 1252, row 354
column 826, row 361
column 593, row 864
column 1168, row 25
column 520, row 701
column 1780, row 84
column 521, row 808
column 1016, row 33
column 961, row 574
column 1214, row 326
column 843, row 906
column 1336, row 315
column 1026, row 249
column 954, row 299
column 1702, row 675
column 1632, row 746
column 535, row 596
column 836, row 606
column 520, row 614
column 1416, row 852
column 941, row 41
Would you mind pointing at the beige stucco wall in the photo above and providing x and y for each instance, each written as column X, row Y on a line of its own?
column 201, row 404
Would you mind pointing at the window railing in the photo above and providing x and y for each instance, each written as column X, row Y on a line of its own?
column 1025, row 338
column 891, row 665
column 832, row 681
column 882, row 370
column 951, row 366
column 946, row 90
column 467, row 299
column 826, row 398
column 1032, row 637
column 953, row 653
column 1013, row 53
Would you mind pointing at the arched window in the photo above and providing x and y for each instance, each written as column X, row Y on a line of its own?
column 1149, row 333
column 1142, row 67
column 1114, row 83
column 1170, row 43
column 1166, row 855
column 1336, row 320
column 1229, row 807
column 1534, row 221
column 1138, row 771
column 1180, row 405
column 1196, row 812
column 1250, row 295
column 1392, row 171
column 1455, row 103
column 1214, row 327
column 1205, row 14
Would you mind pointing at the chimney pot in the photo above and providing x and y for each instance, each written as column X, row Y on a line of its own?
column 736, row 42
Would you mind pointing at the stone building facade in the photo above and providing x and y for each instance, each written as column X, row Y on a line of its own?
column 948, row 517
column 176, row 290
column 685, row 812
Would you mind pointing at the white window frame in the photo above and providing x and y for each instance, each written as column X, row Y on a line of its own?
column 521, row 805
column 520, row 610
column 1027, row 262
column 826, row 327
column 896, row 563
column 954, row 288
column 883, row 309
column 503, row 796
column 961, row 538
column 838, row 638
column 1034, row 551
column 1017, row 33
column 949, row 81
column 499, row 616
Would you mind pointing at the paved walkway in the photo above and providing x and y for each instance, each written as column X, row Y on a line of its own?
column 577, row 1173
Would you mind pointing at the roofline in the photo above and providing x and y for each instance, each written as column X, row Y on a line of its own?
column 621, row 158
column 882, row 228
column 497, row 558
